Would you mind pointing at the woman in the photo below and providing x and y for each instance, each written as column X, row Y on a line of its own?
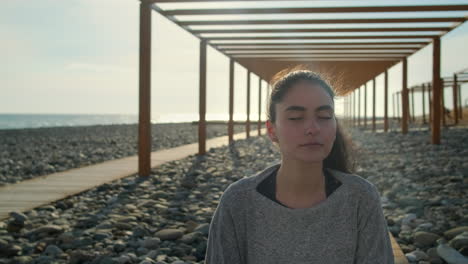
column 308, row 208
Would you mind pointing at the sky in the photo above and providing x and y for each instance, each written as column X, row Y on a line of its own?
column 81, row 57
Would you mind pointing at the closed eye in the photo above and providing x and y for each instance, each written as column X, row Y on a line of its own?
column 295, row 118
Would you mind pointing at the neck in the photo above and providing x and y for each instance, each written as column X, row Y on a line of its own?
column 300, row 179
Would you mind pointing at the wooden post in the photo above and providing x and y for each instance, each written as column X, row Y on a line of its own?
column 386, row 101
column 231, row 102
column 144, row 117
column 460, row 101
column 373, row 105
column 404, row 98
column 359, row 106
column 365, row 105
column 202, row 100
column 393, row 105
column 247, row 125
column 354, row 108
column 413, row 114
column 442, row 103
column 436, row 90
column 398, row 106
column 259, row 125
column 430, row 103
column 455, row 98
column 423, row 103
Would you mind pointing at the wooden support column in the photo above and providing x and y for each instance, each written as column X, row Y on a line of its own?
column 202, row 100
column 460, row 102
column 455, row 98
column 398, row 96
column 442, row 103
column 413, row 114
column 359, row 106
column 144, row 116
column 436, row 91
column 393, row 105
column 247, row 125
column 373, row 105
column 386, row 101
column 423, row 103
column 259, row 125
column 231, row 102
column 404, row 98
column 354, row 108
column 365, row 105
column 431, row 118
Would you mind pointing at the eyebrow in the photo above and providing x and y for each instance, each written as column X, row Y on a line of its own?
column 303, row 109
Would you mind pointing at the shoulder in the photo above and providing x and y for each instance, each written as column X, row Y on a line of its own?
column 244, row 186
column 358, row 186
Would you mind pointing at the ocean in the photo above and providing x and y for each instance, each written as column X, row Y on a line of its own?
column 17, row 121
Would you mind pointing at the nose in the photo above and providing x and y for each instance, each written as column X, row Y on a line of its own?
column 312, row 127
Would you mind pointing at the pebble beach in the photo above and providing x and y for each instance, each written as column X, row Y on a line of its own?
column 164, row 218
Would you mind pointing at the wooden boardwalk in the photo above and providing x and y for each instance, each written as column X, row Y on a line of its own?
column 29, row 194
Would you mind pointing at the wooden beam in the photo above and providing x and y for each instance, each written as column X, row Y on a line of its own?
column 327, row 44
column 298, row 53
column 322, row 21
column 460, row 101
column 404, row 98
column 252, row 50
column 308, row 10
column 413, row 36
column 373, row 105
column 455, row 98
column 202, row 100
column 231, row 102
column 247, row 124
column 386, row 101
column 442, row 103
column 413, row 114
column 144, row 117
column 259, row 125
column 436, row 91
column 317, row 30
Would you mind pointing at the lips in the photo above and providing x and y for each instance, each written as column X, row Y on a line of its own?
column 311, row 144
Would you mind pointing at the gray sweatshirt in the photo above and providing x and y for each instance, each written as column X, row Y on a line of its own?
column 348, row 227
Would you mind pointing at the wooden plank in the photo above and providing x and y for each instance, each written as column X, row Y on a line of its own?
column 413, row 36
column 308, row 10
column 231, row 101
column 386, row 101
column 398, row 255
column 322, row 21
column 317, row 30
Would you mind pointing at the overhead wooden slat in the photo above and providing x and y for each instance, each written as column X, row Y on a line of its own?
column 300, row 52
column 322, row 21
column 312, row 44
column 246, row 50
column 324, row 37
column 307, row 10
column 313, row 30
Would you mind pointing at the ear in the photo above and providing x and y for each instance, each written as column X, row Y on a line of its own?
column 271, row 131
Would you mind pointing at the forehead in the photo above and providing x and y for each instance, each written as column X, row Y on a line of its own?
column 306, row 94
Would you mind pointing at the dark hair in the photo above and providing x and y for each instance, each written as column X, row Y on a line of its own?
column 338, row 158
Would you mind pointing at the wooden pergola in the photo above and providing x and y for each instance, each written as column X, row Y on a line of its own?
column 350, row 44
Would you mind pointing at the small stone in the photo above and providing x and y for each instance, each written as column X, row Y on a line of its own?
column 169, row 234
column 19, row 217
column 449, row 234
column 151, row 243
column 53, row 250
column 459, row 241
column 425, row 239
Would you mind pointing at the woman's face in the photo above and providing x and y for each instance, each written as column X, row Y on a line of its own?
column 305, row 126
